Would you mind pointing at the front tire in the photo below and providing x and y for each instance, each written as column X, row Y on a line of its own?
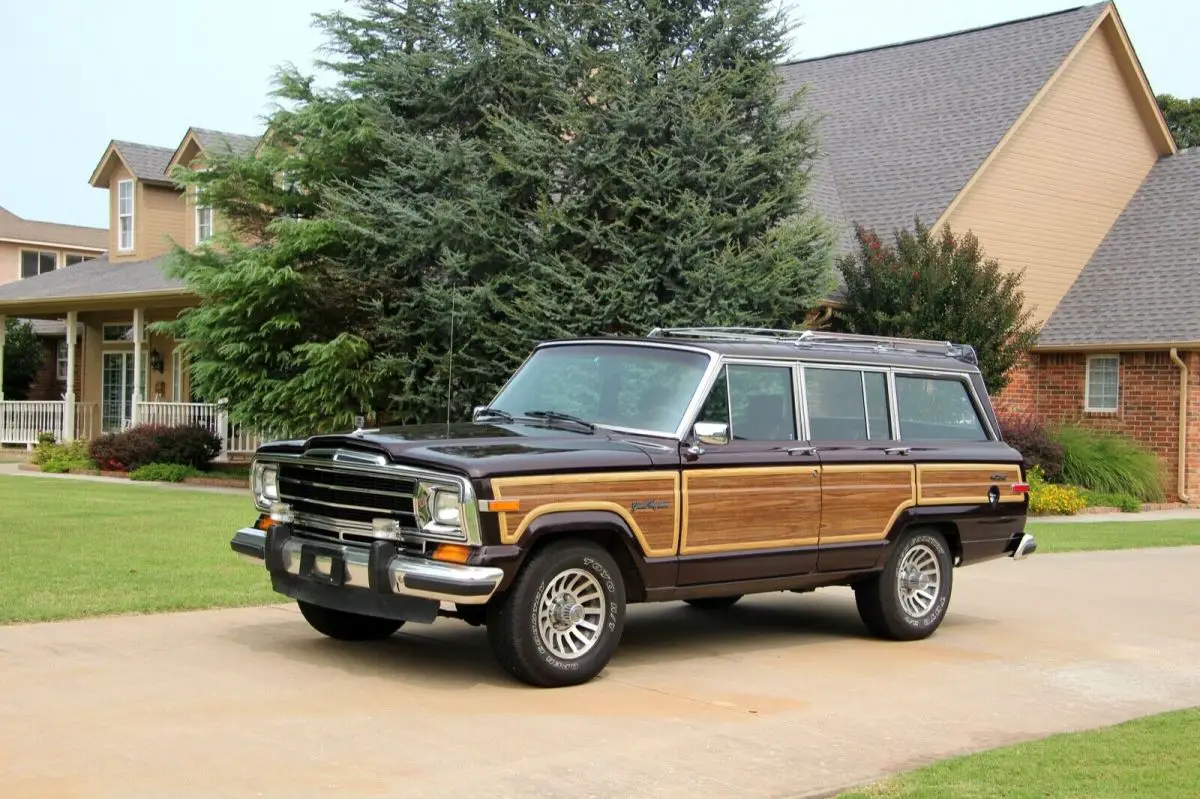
column 344, row 626
column 909, row 598
column 714, row 602
column 562, row 619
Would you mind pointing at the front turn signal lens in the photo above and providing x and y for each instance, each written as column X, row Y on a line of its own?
column 452, row 553
column 500, row 505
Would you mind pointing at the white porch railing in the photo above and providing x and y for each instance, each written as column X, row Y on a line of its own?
column 22, row 422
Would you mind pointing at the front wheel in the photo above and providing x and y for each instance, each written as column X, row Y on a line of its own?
column 344, row 626
column 908, row 599
column 562, row 619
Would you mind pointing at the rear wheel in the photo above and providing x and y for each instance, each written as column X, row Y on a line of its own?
column 909, row 598
column 714, row 602
column 562, row 619
column 347, row 626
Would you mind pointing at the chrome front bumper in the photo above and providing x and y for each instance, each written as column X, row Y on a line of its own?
column 406, row 575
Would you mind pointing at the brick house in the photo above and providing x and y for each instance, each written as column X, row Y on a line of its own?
column 1043, row 138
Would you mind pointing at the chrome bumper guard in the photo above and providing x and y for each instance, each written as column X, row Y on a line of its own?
column 1025, row 547
column 350, row 567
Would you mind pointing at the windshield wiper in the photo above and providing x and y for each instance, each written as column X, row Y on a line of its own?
column 561, row 417
column 494, row 413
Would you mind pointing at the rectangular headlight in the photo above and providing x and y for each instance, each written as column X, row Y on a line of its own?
column 264, row 481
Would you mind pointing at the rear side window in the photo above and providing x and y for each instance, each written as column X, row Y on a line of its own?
column 847, row 405
column 936, row 409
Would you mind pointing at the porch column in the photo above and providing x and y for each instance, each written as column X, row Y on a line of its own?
column 139, row 391
column 2, row 321
column 69, row 410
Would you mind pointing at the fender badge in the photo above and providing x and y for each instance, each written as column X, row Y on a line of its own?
column 650, row 504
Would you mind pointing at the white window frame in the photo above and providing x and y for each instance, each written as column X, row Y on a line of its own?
column 1087, row 383
column 40, row 253
column 200, row 209
column 108, row 341
column 121, row 245
column 60, row 360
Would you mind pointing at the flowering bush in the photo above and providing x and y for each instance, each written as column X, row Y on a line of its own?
column 1050, row 499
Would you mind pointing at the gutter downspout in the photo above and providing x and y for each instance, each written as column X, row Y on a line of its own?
column 1183, row 403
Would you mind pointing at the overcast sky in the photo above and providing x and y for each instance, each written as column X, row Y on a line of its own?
column 81, row 72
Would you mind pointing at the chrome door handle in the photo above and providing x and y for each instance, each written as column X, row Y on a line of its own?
column 802, row 451
column 898, row 450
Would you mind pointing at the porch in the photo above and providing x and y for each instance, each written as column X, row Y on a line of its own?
column 115, row 373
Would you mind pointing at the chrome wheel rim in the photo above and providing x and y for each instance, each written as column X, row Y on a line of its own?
column 570, row 614
column 919, row 580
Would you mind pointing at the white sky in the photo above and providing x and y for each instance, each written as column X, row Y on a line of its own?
column 81, row 72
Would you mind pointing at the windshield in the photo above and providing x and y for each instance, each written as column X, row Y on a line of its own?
column 633, row 387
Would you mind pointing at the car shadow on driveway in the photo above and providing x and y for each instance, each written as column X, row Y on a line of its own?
column 450, row 654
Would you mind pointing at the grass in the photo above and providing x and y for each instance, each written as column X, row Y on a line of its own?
column 1084, row 536
column 76, row 548
column 1109, row 463
column 1152, row 756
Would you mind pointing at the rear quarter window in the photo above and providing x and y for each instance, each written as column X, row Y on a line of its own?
column 937, row 409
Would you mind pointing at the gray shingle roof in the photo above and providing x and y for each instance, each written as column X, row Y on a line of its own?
column 96, row 277
column 905, row 126
column 221, row 142
column 1142, row 285
column 147, row 162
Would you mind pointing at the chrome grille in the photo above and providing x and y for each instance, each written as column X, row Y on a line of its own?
column 341, row 503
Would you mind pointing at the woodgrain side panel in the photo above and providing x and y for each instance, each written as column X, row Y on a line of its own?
column 732, row 509
column 860, row 503
column 647, row 501
column 955, row 483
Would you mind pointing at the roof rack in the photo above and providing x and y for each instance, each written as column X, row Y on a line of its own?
column 963, row 352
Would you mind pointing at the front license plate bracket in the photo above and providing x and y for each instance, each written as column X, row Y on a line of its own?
column 322, row 566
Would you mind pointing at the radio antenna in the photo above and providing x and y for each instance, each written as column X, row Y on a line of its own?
column 450, row 376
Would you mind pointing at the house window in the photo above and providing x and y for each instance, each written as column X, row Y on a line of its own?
column 118, row 333
column 61, row 360
column 1101, row 383
column 73, row 259
column 125, row 215
column 204, row 225
column 37, row 262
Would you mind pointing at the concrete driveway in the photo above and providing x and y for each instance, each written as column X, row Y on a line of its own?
column 780, row 696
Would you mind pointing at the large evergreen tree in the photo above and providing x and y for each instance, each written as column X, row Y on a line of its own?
column 488, row 174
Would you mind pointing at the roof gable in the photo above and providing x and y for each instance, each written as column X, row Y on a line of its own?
column 146, row 162
column 1141, row 285
column 904, row 127
column 198, row 140
column 78, row 237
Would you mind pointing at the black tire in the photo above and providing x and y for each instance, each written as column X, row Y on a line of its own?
column 513, row 619
column 714, row 602
column 345, row 626
column 879, row 599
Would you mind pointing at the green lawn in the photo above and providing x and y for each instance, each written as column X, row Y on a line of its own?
column 1070, row 537
column 1153, row 756
column 75, row 548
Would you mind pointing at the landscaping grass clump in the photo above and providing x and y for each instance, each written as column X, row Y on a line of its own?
column 1125, row 502
column 1109, row 463
column 164, row 473
column 1152, row 756
column 75, row 548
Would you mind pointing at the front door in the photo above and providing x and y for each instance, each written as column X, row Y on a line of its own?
column 116, row 400
column 752, row 506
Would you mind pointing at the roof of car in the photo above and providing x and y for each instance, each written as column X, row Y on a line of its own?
column 833, row 348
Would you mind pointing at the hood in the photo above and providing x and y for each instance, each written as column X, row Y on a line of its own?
column 491, row 449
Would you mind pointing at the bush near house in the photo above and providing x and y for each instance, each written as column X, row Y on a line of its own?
column 164, row 473
column 1109, row 463
column 55, row 458
column 129, row 450
column 1034, row 439
column 1049, row 499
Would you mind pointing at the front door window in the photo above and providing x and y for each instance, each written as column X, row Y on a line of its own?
column 117, row 390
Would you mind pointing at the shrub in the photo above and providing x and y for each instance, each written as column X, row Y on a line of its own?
column 1109, row 463
column 192, row 446
column 139, row 446
column 163, row 473
column 1030, row 436
column 1051, row 499
column 1126, row 502
column 61, row 458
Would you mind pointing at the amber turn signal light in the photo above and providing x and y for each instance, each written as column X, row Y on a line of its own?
column 500, row 505
column 263, row 523
column 452, row 553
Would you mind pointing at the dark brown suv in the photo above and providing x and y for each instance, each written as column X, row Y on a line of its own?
column 692, row 464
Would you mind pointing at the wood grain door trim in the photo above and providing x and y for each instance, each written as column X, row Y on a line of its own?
column 662, row 483
column 901, row 506
column 966, row 483
column 689, row 475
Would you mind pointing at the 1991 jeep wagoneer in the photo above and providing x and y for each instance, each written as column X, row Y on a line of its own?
column 696, row 464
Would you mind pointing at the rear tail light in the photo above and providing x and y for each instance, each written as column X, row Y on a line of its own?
column 1020, row 488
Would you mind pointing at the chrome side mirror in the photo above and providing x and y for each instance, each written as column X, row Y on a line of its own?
column 711, row 433
column 476, row 411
